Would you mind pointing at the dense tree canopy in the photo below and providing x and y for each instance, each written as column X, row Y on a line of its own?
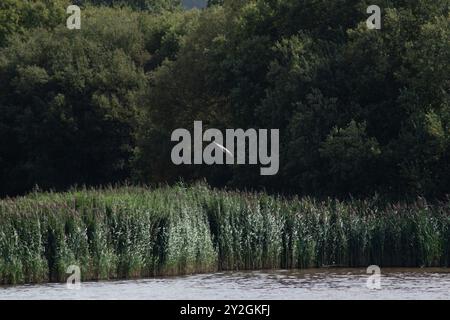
column 359, row 111
column 17, row 16
column 70, row 101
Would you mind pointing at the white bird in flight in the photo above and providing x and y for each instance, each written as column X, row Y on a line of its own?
column 223, row 148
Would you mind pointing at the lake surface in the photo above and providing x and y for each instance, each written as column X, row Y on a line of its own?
column 260, row 285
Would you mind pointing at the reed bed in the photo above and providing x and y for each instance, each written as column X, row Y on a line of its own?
column 136, row 232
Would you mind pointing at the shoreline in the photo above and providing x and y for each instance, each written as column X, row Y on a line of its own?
column 310, row 284
column 337, row 270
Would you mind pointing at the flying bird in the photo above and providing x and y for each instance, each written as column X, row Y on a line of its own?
column 223, row 149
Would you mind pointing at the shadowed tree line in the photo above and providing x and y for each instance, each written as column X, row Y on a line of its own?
column 359, row 111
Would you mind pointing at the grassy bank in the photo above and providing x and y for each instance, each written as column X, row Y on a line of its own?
column 135, row 232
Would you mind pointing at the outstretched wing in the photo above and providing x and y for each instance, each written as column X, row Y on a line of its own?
column 223, row 149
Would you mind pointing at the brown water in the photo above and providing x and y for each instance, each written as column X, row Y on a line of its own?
column 260, row 285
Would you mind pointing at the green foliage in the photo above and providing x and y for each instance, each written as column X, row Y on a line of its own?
column 70, row 101
column 17, row 16
column 133, row 232
column 350, row 154
column 359, row 111
column 170, row 107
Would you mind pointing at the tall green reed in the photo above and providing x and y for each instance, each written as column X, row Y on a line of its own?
column 132, row 232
